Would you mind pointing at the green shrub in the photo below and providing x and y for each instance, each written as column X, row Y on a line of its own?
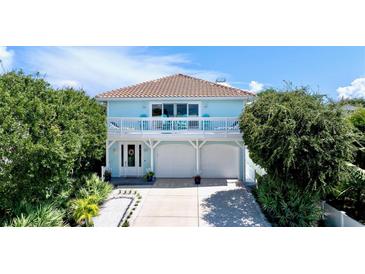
column 298, row 137
column 357, row 119
column 83, row 210
column 287, row 205
column 149, row 175
column 46, row 137
column 97, row 188
column 125, row 223
column 41, row 216
column 352, row 192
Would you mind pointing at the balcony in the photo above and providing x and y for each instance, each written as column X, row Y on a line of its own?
column 173, row 126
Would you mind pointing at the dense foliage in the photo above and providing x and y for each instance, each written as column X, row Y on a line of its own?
column 358, row 102
column 285, row 204
column 357, row 119
column 84, row 209
column 349, row 195
column 49, row 139
column 92, row 192
column 296, row 137
column 95, row 187
column 304, row 143
column 38, row 216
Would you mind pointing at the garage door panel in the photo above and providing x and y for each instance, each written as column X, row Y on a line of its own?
column 175, row 161
column 219, row 161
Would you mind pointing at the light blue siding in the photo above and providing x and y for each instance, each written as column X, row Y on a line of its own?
column 128, row 108
column 222, row 108
column 138, row 108
column 114, row 159
column 213, row 108
column 146, row 158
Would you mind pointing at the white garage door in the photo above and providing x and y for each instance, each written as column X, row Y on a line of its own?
column 175, row 161
column 219, row 161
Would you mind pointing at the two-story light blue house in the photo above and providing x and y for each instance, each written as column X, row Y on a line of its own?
column 177, row 126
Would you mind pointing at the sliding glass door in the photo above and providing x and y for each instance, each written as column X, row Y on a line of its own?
column 175, row 110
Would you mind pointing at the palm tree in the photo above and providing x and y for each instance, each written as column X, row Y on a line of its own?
column 85, row 210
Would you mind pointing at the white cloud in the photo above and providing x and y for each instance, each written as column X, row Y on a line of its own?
column 355, row 90
column 66, row 83
column 6, row 56
column 99, row 69
column 256, row 86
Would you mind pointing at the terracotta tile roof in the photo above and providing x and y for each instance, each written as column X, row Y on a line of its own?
column 178, row 85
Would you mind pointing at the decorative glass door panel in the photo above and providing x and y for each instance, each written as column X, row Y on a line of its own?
column 131, row 159
column 131, row 155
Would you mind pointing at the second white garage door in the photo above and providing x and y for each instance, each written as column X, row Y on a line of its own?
column 175, row 160
column 219, row 161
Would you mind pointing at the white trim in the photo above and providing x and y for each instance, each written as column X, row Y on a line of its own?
column 197, row 147
column 139, row 169
column 194, row 145
column 107, row 147
column 202, row 144
column 240, row 144
column 152, row 147
column 106, row 154
column 176, row 137
column 244, row 98
column 147, row 144
column 243, row 148
column 155, row 145
column 110, row 144
column 150, row 143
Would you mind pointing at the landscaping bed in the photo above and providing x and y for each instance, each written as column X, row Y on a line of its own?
column 304, row 144
column 52, row 141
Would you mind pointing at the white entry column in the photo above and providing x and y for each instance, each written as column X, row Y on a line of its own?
column 243, row 148
column 152, row 147
column 197, row 147
column 108, row 145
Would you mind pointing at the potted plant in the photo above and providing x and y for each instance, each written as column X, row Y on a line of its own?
column 149, row 176
column 197, row 179
column 107, row 176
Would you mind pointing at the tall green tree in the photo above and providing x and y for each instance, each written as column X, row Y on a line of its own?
column 298, row 138
column 357, row 119
column 47, row 137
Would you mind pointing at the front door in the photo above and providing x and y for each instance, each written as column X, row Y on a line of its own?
column 131, row 159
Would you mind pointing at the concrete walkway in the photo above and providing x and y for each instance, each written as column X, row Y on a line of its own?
column 112, row 211
column 216, row 202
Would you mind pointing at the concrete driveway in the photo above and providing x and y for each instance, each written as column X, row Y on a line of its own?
column 215, row 202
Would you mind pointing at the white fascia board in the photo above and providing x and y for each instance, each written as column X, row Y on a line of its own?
column 245, row 98
column 230, row 138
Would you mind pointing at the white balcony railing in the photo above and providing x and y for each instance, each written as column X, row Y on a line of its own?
column 156, row 125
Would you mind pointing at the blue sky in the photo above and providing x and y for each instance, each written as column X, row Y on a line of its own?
column 335, row 71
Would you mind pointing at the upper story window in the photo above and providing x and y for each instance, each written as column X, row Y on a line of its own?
column 157, row 110
column 193, row 110
column 175, row 110
column 168, row 110
column 181, row 110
